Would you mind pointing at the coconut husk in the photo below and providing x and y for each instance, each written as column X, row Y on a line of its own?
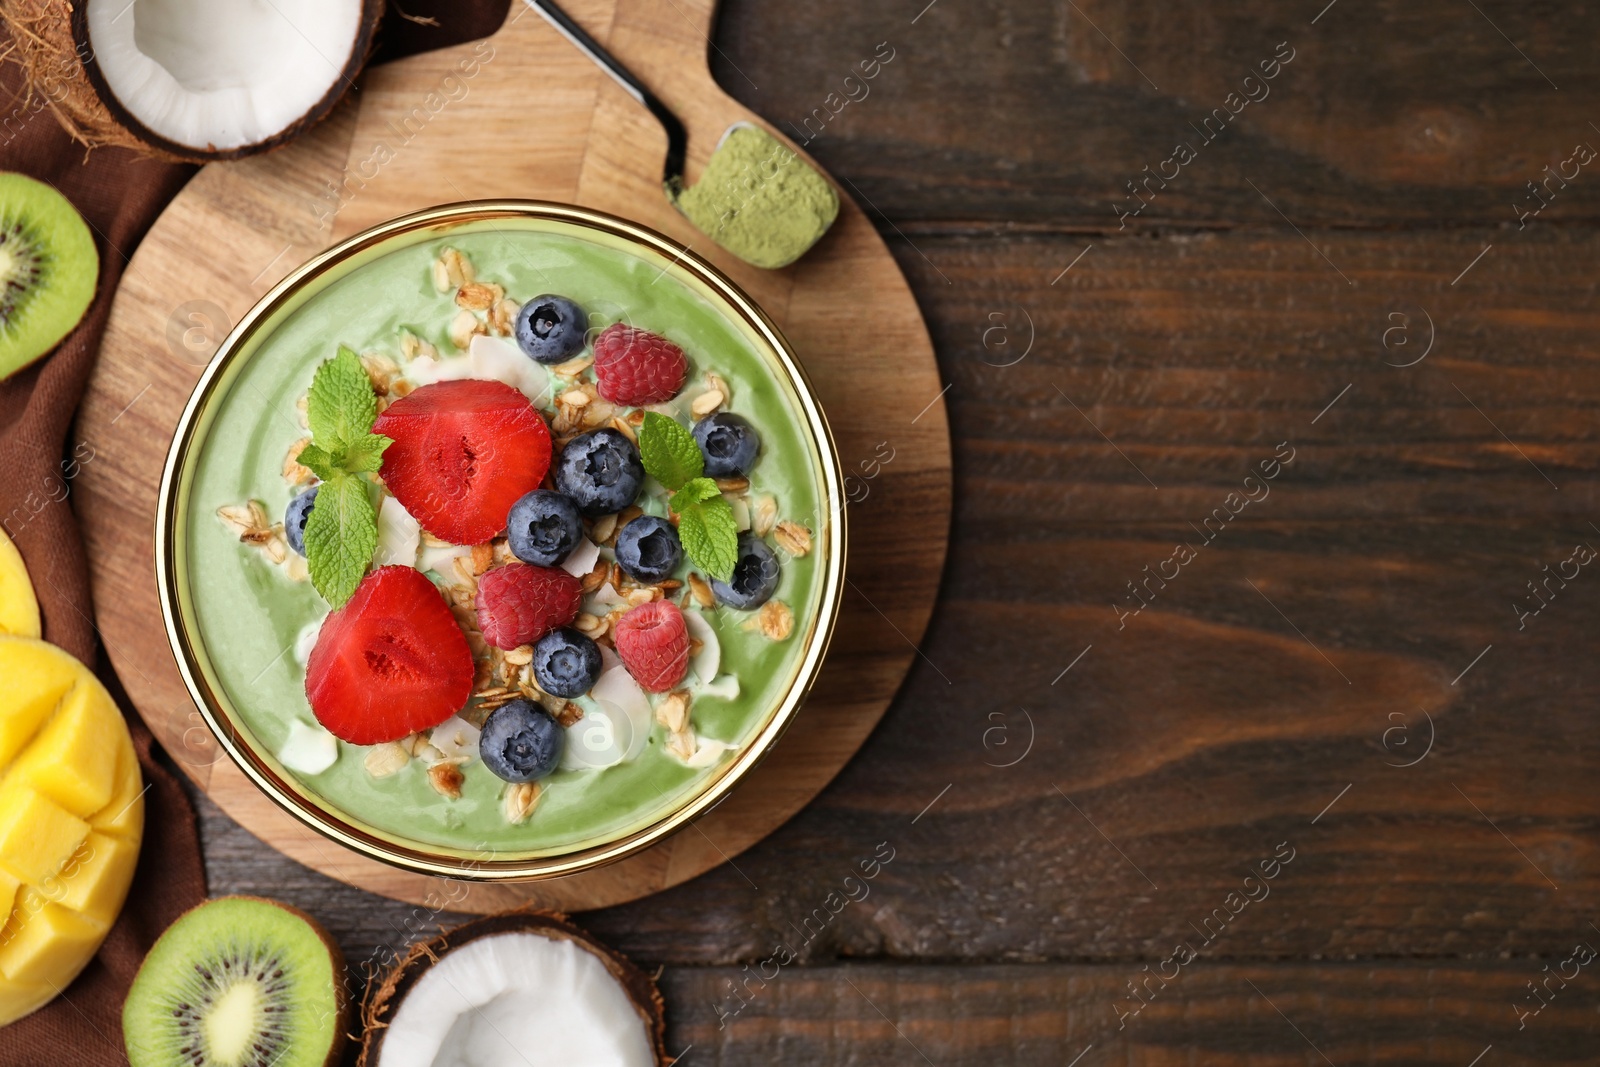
column 383, row 998
column 43, row 46
column 45, row 36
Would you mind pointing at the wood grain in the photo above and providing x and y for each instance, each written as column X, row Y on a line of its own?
column 1211, row 727
column 1224, row 1012
column 1035, row 116
column 420, row 134
column 1189, row 744
column 826, row 1009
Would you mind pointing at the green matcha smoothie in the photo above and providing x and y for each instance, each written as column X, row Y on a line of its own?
column 255, row 617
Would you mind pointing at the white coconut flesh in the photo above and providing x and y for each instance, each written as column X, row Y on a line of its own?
column 516, row 998
column 487, row 357
column 222, row 73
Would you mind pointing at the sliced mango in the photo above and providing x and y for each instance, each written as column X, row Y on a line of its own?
column 123, row 815
column 37, row 835
column 69, row 761
column 95, row 880
column 18, row 999
column 46, row 944
column 19, row 609
column 71, row 819
column 36, row 676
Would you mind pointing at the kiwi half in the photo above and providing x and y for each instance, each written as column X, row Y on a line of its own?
column 238, row 982
column 48, row 270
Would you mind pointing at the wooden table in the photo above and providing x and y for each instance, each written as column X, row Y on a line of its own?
column 1341, row 665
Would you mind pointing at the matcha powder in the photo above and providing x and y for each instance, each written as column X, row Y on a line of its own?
column 760, row 200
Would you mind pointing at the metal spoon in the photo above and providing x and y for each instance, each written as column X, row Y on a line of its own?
column 677, row 137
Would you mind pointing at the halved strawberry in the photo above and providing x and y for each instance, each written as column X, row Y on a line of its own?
column 389, row 663
column 463, row 453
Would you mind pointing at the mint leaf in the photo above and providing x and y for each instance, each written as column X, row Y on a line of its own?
column 710, row 535
column 694, row 491
column 668, row 450
column 318, row 461
column 340, row 536
column 343, row 528
column 341, row 406
column 365, row 455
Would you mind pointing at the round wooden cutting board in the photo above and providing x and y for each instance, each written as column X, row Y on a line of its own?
column 523, row 114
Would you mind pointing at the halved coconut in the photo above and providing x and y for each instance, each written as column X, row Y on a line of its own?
column 518, row 987
column 191, row 80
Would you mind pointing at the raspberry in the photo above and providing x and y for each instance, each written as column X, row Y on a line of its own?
column 653, row 641
column 520, row 603
column 637, row 367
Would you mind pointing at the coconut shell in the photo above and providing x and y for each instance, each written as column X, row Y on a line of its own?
column 50, row 41
column 383, row 1000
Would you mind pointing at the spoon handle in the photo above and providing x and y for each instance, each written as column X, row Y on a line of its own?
column 677, row 138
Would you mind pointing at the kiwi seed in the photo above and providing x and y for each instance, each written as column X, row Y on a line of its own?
column 238, row 982
column 48, row 270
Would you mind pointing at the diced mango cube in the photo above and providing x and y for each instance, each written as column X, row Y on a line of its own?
column 8, row 895
column 46, row 944
column 72, row 760
column 19, row 610
column 123, row 815
column 95, row 879
column 37, row 835
column 36, row 676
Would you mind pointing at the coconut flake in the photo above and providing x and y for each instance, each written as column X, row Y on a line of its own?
column 726, row 687
column 487, row 357
column 307, row 641
column 581, row 559
column 707, row 751
column 398, row 535
column 516, row 998
column 455, row 737
column 308, row 749
column 598, row 740
column 705, row 663
column 618, row 688
column 440, row 559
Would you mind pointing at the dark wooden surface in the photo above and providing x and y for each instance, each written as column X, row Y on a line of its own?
column 1056, row 833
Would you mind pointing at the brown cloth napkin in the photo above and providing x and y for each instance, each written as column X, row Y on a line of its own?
column 120, row 195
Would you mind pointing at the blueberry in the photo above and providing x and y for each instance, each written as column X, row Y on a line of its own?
column 755, row 576
column 543, row 528
column 728, row 443
column 295, row 517
column 566, row 663
column 648, row 549
column 550, row 328
column 520, row 742
column 601, row 471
